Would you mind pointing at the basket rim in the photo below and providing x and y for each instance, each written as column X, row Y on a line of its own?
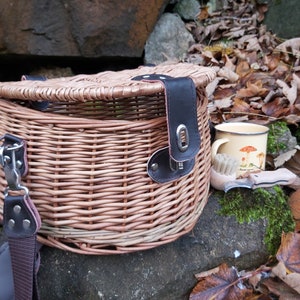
column 105, row 85
column 51, row 118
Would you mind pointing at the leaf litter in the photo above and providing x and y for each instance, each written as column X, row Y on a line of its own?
column 258, row 80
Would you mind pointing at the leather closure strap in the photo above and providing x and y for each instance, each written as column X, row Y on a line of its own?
column 21, row 220
column 160, row 167
column 183, row 132
column 20, row 217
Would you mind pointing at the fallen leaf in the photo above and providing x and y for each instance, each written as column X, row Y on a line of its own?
column 271, row 61
column 290, row 46
column 284, row 157
column 224, row 102
column 228, row 74
column 229, row 63
column 296, row 79
column 211, row 87
column 288, row 252
column 294, row 204
column 234, row 33
column 276, row 108
column 280, row 289
column 204, row 14
column 291, row 279
column 293, row 164
column 223, row 284
column 240, row 105
column 252, row 89
column 243, row 68
column 289, row 91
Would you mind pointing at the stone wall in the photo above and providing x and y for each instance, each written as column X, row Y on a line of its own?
column 77, row 28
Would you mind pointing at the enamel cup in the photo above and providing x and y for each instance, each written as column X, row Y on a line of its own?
column 246, row 142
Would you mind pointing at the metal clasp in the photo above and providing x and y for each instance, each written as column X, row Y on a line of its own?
column 11, row 166
column 182, row 136
column 175, row 165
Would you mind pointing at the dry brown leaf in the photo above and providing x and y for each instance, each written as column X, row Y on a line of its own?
column 290, row 46
column 293, row 164
column 271, row 61
column 212, row 29
column 291, row 279
column 223, row 103
column 289, row 253
column 229, row 63
column 289, row 91
column 292, row 118
column 252, row 89
column 211, row 87
column 280, row 70
column 296, row 79
column 253, row 44
column 280, row 289
column 204, row 14
column 262, row 8
column 276, row 108
column 232, row 34
column 294, row 203
column 284, row 157
column 240, row 105
column 223, row 284
column 243, row 69
column 228, row 74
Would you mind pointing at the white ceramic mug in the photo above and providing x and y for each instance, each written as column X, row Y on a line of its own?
column 246, row 142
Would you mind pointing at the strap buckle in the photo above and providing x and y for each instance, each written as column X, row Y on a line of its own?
column 12, row 159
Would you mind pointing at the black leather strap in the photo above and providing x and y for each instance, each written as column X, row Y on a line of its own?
column 183, row 132
column 160, row 167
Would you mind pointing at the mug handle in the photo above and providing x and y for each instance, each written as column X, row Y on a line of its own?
column 215, row 146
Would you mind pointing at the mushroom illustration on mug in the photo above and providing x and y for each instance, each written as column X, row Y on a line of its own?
column 247, row 150
column 261, row 157
column 246, row 142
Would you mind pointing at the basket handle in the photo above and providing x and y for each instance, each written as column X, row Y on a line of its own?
column 183, row 132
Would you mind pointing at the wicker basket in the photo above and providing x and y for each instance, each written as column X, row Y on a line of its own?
column 87, row 156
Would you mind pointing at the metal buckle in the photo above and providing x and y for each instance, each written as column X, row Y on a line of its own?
column 11, row 166
column 182, row 136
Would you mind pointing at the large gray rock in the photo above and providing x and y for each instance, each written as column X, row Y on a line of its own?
column 169, row 40
column 187, row 9
column 162, row 273
column 77, row 28
column 283, row 18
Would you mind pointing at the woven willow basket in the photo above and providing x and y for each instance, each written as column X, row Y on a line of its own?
column 87, row 156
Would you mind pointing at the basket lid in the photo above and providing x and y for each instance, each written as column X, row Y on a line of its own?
column 105, row 85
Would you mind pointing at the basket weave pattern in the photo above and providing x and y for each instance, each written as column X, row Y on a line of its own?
column 87, row 157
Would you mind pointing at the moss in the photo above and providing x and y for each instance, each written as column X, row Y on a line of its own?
column 267, row 204
column 277, row 129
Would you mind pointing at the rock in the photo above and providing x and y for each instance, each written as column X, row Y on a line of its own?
column 282, row 18
column 77, row 28
column 168, row 41
column 164, row 273
column 187, row 9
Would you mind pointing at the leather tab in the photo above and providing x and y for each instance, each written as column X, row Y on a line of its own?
column 181, row 110
column 160, row 167
column 184, row 141
column 19, row 219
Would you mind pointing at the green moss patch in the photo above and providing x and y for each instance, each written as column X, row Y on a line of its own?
column 267, row 204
